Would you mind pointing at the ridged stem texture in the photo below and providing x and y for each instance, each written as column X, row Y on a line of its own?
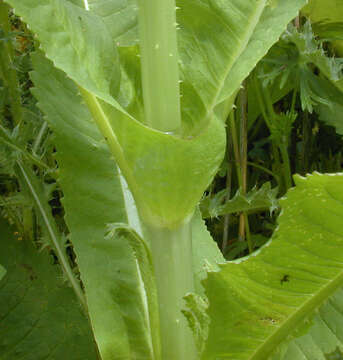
column 159, row 64
column 172, row 256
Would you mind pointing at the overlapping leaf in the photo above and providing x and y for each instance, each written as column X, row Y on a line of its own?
column 93, row 198
column 267, row 298
column 40, row 316
column 212, row 36
column 273, row 22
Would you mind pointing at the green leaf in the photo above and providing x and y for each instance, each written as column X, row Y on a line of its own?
column 40, row 316
column 146, row 285
column 197, row 318
column 210, row 45
column 330, row 114
column 261, row 199
column 28, row 180
column 120, row 18
column 8, row 139
column 311, row 52
column 93, row 198
column 293, row 57
column 2, row 272
column 277, row 90
column 272, row 23
column 166, row 174
column 323, row 339
column 330, row 11
column 97, row 202
column 76, row 40
column 206, row 254
column 267, row 298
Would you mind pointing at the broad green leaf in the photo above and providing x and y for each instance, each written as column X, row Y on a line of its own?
column 166, row 174
column 218, row 47
column 92, row 199
column 261, row 199
column 323, row 338
column 40, row 316
column 272, row 23
column 329, row 11
column 267, row 298
column 165, row 183
column 120, row 18
column 97, row 202
column 76, row 40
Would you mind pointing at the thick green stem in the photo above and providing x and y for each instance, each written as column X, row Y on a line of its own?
column 172, row 256
column 159, row 62
column 171, row 249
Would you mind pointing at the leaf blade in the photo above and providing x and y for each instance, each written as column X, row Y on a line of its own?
column 268, row 294
column 40, row 315
column 93, row 199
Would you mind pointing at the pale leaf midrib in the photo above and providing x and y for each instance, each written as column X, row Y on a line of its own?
column 311, row 303
column 245, row 40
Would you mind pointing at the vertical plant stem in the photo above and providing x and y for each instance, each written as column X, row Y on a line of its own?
column 243, row 136
column 286, row 164
column 244, row 229
column 247, row 233
column 242, row 153
column 228, row 193
column 171, row 248
column 283, row 145
column 159, row 64
column 172, row 256
column 243, row 221
column 270, row 116
column 234, row 138
column 6, row 62
column 297, row 22
column 306, row 135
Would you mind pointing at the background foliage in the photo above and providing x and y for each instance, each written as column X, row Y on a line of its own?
column 287, row 120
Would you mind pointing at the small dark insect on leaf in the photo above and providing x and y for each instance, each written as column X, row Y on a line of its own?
column 285, row 278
